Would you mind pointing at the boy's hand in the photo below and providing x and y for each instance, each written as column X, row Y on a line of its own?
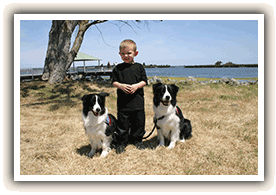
column 132, row 88
column 129, row 89
column 125, row 88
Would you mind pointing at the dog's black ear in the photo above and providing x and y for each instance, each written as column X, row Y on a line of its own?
column 83, row 98
column 175, row 88
column 103, row 94
column 155, row 86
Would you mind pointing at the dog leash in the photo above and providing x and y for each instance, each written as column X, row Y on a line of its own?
column 155, row 125
column 150, row 132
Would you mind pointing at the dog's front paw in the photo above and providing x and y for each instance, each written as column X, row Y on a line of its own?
column 171, row 146
column 105, row 152
column 91, row 154
column 160, row 146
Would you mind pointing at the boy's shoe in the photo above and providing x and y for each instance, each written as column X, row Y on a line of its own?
column 120, row 148
column 140, row 146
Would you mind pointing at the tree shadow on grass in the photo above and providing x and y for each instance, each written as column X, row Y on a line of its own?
column 26, row 88
column 104, row 85
column 56, row 96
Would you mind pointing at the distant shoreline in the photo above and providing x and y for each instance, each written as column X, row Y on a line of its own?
column 224, row 66
column 206, row 66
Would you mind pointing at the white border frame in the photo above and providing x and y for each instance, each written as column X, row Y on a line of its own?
column 259, row 177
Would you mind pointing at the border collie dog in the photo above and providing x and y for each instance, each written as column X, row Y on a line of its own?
column 168, row 118
column 99, row 125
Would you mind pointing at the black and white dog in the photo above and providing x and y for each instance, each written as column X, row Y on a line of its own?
column 99, row 125
column 169, row 119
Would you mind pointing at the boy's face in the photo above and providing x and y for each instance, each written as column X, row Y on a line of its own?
column 127, row 54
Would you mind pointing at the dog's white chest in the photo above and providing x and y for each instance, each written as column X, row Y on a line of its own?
column 169, row 123
column 94, row 127
column 92, row 121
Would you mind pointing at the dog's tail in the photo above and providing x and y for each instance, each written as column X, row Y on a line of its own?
column 187, row 129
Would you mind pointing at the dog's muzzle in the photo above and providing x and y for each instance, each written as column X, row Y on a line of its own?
column 166, row 100
column 97, row 112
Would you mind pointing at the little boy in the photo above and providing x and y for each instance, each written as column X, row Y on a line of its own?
column 129, row 78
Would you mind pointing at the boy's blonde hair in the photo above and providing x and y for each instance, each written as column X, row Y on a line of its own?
column 128, row 42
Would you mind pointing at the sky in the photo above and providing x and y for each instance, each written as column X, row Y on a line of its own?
column 167, row 42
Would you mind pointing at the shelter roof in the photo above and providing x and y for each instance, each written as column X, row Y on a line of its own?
column 85, row 57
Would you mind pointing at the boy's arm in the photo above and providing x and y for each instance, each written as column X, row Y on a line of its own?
column 141, row 84
column 116, row 84
column 123, row 87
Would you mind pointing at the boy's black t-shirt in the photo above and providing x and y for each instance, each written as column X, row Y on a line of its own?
column 129, row 74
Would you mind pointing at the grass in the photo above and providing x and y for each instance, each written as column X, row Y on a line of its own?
column 224, row 142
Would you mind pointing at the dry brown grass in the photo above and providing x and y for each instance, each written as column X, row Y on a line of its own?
column 224, row 142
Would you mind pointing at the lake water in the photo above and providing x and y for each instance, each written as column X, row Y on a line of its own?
column 186, row 72
column 203, row 72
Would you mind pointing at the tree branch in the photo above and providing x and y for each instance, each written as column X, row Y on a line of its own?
column 94, row 23
column 122, row 21
column 102, row 36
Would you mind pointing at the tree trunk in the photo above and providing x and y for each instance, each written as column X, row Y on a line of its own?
column 58, row 58
column 58, row 50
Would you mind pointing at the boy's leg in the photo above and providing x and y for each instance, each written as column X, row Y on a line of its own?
column 137, row 130
column 123, row 131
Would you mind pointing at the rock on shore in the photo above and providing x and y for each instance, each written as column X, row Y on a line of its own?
column 224, row 80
